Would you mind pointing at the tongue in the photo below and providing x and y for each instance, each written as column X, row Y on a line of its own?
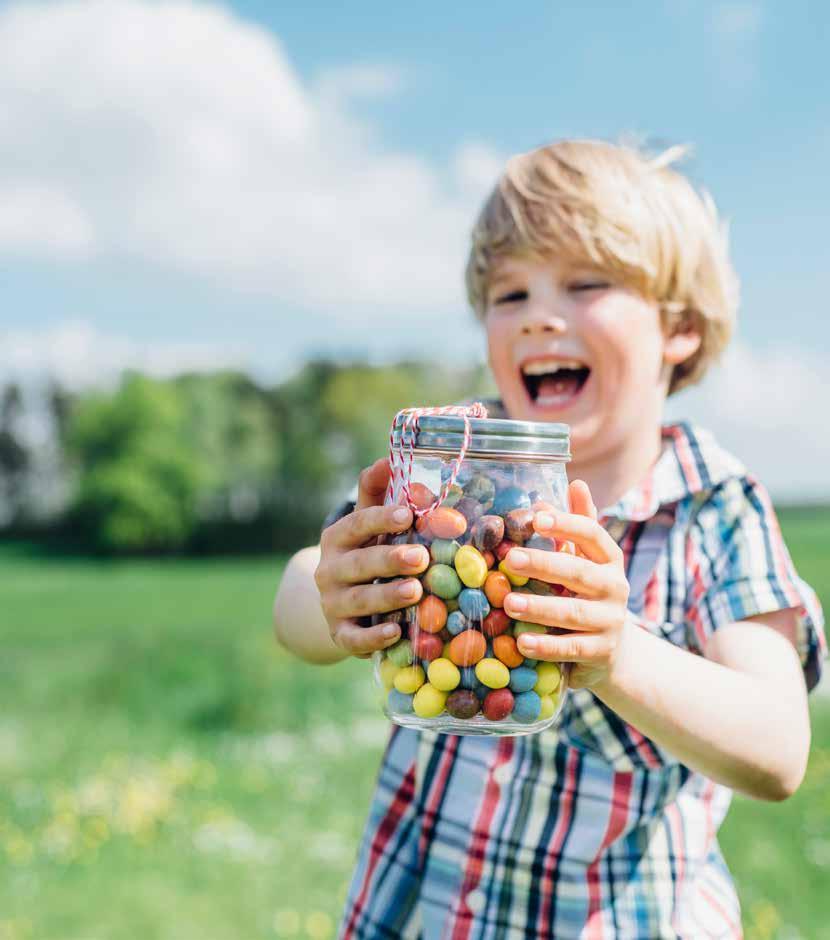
column 557, row 387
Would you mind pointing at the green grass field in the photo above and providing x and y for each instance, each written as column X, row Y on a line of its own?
column 165, row 772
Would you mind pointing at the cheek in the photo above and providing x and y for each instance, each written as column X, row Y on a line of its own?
column 499, row 346
column 630, row 342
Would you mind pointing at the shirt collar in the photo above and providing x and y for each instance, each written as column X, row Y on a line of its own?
column 691, row 462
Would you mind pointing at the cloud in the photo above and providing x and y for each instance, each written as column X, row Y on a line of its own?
column 770, row 408
column 734, row 31
column 77, row 355
column 178, row 133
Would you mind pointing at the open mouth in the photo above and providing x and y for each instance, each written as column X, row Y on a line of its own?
column 554, row 382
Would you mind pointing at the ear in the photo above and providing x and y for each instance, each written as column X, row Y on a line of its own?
column 679, row 347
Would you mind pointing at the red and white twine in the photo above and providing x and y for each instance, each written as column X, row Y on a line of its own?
column 401, row 456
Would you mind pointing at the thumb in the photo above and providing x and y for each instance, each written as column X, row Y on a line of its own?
column 372, row 483
column 579, row 497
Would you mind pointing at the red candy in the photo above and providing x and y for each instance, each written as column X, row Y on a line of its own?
column 498, row 704
column 427, row 645
column 503, row 548
column 495, row 623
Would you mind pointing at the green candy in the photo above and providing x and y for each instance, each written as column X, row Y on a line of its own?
column 454, row 493
column 522, row 626
column 481, row 488
column 443, row 551
column 442, row 581
column 401, row 654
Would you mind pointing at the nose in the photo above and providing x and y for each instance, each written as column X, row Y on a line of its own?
column 542, row 320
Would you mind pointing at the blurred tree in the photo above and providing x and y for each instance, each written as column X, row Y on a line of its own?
column 139, row 474
column 14, row 456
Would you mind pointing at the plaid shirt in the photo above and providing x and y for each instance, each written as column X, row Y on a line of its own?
column 589, row 829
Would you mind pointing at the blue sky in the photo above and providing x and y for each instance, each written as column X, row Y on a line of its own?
column 192, row 184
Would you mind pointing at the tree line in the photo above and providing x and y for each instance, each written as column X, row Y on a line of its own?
column 204, row 462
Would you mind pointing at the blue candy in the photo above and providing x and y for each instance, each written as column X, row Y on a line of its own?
column 473, row 603
column 527, row 707
column 513, row 497
column 481, row 690
column 457, row 623
column 469, row 680
column 398, row 702
column 522, row 679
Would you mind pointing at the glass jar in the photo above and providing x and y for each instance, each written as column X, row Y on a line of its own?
column 457, row 668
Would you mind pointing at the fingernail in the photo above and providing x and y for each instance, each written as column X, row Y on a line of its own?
column 544, row 520
column 518, row 558
column 412, row 556
column 517, row 602
column 390, row 630
column 401, row 515
column 528, row 642
column 408, row 589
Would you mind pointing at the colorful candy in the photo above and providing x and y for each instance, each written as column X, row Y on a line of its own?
column 458, row 656
column 467, row 648
column 498, row 704
column 473, row 603
column 429, row 702
column 444, row 675
column 432, row 614
column 505, row 649
column 463, row 703
column 492, row 673
column 442, row 581
column 527, row 706
column 471, row 567
column 409, row 679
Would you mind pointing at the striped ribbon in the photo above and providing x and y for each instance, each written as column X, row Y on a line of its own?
column 401, row 457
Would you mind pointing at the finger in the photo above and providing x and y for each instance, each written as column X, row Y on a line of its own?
column 583, row 577
column 363, row 600
column 576, row 648
column 587, row 534
column 580, row 499
column 362, row 565
column 362, row 525
column 363, row 641
column 372, row 483
column 572, row 613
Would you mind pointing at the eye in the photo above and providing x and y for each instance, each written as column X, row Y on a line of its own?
column 588, row 285
column 512, row 297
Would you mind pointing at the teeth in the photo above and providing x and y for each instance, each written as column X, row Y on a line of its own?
column 548, row 366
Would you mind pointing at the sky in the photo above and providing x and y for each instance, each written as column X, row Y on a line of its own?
column 194, row 185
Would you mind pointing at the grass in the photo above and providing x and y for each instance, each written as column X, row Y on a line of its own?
column 167, row 773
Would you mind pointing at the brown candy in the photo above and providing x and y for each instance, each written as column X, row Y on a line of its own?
column 462, row 703
column 471, row 509
column 518, row 524
column 487, row 532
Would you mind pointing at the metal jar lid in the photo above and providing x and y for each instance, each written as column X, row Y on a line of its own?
column 490, row 437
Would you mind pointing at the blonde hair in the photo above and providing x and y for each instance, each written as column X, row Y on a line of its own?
column 628, row 213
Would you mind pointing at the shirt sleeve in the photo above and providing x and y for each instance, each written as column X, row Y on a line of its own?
column 738, row 566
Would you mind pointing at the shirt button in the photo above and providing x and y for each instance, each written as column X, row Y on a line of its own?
column 476, row 900
column 503, row 774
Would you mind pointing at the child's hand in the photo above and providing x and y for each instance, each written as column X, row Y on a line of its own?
column 596, row 613
column 351, row 559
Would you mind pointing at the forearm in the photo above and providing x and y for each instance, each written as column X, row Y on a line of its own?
column 747, row 727
column 298, row 618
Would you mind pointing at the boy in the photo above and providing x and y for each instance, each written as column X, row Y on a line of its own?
column 604, row 285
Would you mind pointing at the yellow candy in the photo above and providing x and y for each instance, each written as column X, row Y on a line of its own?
column 429, row 702
column 549, row 676
column 492, row 673
column 517, row 580
column 471, row 566
column 443, row 674
column 388, row 670
column 409, row 679
column 549, row 706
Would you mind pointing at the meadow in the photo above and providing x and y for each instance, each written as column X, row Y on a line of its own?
column 167, row 773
